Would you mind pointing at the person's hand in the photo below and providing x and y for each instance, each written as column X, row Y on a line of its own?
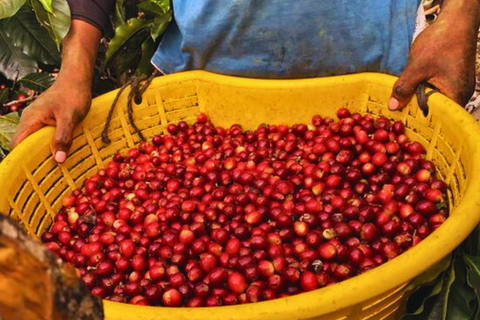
column 442, row 55
column 58, row 106
column 68, row 100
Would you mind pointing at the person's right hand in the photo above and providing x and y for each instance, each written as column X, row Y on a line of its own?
column 66, row 103
column 60, row 106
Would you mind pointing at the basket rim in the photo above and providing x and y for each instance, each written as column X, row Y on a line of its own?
column 390, row 275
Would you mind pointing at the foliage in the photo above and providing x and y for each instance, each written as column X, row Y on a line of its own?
column 31, row 32
column 138, row 27
column 57, row 22
column 455, row 293
column 30, row 38
column 8, row 124
column 37, row 82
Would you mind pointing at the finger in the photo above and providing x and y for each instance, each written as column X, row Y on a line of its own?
column 63, row 139
column 404, row 88
column 26, row 127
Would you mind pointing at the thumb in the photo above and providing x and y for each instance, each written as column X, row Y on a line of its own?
column 404, row 88
column 63, row 139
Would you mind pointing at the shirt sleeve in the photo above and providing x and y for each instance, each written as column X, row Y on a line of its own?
column 95, row 12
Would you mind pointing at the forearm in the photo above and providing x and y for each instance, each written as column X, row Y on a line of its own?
column 465, row 14
column 443, row 55
column 79, row 54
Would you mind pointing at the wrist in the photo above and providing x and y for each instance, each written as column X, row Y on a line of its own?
column 462, row 13
column 78, row 57
column 72, row 81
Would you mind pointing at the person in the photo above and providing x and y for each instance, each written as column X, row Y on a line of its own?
column 274, row 39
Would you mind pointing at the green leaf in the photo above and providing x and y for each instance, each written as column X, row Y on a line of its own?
column 8, row 125
column 118, row 14
column 164, row 4
column 428, row 288
column 38, row 82
column 430, row 296
column 9, row 7
column 27, row 33
column 126, row 43
column 161, row 13
column 57, row 23
column 130, row 9
column 47, row 5
column 131, row 56
column 160, row 24
column 3, row 96
column 154, row 7
column 473, row 276
column 472, row 244
column 461, row 303
column 145, row 66
column 13, row 62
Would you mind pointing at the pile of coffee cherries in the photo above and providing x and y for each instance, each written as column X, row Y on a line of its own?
column 209, row 216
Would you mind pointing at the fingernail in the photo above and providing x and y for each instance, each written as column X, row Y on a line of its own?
column 393, row 104
column 60, row 156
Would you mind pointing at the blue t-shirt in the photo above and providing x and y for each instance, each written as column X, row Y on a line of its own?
column 288, row 39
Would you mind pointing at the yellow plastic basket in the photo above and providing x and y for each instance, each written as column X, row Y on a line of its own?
column 32, row 185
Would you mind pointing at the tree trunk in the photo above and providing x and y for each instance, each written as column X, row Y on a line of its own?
column 35, row 284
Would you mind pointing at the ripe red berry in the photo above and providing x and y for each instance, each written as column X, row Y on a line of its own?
column 172, row 298
column 343, row 113
column 237, row 282
column 308, row 281
column 327, row 251
column 202, row 118
column 127, row 248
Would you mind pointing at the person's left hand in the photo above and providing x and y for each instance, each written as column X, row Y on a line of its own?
column 444, row 56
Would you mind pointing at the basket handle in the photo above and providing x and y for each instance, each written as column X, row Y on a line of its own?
column 422, row 95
